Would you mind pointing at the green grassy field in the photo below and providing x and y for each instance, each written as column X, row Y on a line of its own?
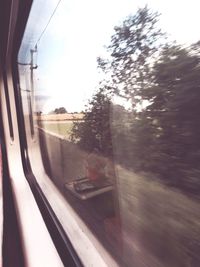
column 60, row 128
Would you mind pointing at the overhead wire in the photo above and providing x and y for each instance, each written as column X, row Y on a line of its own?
column 42, row 33
column 45, row 28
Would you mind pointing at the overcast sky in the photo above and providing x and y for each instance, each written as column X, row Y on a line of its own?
column 77, row 34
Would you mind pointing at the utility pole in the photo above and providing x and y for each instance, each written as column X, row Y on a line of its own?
column 32, row 67
column 30, row 91
column 31, row 96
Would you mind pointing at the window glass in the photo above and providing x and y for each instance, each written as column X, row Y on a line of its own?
column 112, row 88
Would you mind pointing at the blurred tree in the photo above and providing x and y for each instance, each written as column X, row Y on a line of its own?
column 94, row 132
column 174, row 112
column 163, row 137
column 133, row 49
column 60, row 110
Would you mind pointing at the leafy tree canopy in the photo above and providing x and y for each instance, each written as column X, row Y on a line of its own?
column 94, row 132
column 132, row 50
column 60, row 110
column 162, row 138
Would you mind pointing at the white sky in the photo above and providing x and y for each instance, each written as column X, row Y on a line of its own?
column 76, row 35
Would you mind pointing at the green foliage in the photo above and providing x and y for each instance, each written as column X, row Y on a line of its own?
column 162, row 138
column 175, row 106
column 60, row 110
column 94, row 132
column 133, row 47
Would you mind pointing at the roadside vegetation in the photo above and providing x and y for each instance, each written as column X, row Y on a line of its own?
column 160, row 132
column 154, row 143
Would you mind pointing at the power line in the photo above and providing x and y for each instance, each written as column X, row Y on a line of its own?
column 48, row 23
column 35, row 48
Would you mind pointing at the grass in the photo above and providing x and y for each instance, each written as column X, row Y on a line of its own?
column 60, row 128
column 162, row 222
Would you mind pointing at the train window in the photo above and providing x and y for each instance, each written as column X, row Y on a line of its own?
column 114, row 87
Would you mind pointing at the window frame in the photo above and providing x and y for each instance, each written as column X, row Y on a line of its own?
column 63, row 244
column 60, row 239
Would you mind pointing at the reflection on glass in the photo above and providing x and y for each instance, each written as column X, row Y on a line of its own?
column 119, row 129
